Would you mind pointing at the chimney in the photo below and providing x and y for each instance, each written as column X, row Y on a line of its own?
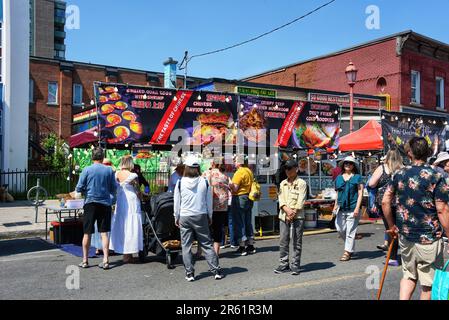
column 170, row 73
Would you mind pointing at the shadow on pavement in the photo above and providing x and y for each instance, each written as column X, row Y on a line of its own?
column 317, row 266
column 226, row 272
column 359, row 255
column 17, row 246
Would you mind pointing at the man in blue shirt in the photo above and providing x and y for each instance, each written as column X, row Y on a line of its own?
column 97, row 183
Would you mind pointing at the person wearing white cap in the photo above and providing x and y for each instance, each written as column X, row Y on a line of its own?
column 441, row 164
column 347, row 205
column 193, row 215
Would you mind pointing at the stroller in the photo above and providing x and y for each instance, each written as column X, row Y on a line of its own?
column 160, row 234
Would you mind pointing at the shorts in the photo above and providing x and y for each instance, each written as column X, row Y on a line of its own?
column 420, row 260
column 218, row 221
column 96, row 212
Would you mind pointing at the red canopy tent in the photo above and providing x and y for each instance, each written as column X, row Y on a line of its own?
column 84, row 137
column 369, row 137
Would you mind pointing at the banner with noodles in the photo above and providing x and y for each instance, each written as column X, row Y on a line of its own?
column 299, row 124
column 135, row 114
column 399, row 128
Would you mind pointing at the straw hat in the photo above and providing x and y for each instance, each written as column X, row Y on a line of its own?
column 442, row 156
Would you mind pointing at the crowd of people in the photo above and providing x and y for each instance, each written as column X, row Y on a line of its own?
column 412, row 200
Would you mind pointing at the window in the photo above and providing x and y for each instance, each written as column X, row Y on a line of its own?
column 52, row 93
column 416, row 87
column 440, row 93
column 77, row 94
column 60, row 13
column 31, row 91
column 59, row 54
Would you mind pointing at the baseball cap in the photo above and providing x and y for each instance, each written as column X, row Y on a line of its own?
column 289, row 164
column 192, row 161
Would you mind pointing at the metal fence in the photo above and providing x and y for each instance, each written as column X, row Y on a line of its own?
column 58, row 182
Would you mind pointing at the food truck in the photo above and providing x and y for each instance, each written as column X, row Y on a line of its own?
column 213, row 124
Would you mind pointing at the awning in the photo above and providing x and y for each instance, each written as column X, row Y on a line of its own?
column 84, row 137
column 369, row 137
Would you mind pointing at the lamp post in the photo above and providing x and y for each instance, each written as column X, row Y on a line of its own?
column 351, row 75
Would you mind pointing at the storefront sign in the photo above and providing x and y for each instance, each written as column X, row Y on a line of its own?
column 344, row 100
column 257, row 92
column 399, row 128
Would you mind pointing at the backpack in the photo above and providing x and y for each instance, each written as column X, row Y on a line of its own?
column 254, row 193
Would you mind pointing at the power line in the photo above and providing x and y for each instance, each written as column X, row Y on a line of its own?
column 260, row 36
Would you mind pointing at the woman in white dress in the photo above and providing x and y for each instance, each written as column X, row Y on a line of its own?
column 126, row 224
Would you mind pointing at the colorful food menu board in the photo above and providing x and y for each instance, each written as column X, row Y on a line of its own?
column 147, row 115
column 299, row 124
column 398, row 128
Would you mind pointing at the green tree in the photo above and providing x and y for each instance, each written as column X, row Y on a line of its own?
column 56, row 159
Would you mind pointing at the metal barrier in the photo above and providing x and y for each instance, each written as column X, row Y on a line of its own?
column 58, row 182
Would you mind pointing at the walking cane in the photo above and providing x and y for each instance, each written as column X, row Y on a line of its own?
column 384, row 273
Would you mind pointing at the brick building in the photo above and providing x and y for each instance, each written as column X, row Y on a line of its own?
column 410, row 69
column 60, row 89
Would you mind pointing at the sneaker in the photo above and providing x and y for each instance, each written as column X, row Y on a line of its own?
column 393, row 263
column 224, row 246
column 295, row 272
column 241, row 251
column 234, row 247
column 282, row 269
column 218, row 275
column 190, row 277
column 250, row 249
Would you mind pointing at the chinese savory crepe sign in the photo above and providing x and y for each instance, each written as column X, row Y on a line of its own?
column 399, row 128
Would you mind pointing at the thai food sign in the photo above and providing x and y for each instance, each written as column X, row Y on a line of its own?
column 133, row 114
column 298, row 124
column 399, row 128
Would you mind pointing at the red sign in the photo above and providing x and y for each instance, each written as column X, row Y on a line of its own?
column 344, row 100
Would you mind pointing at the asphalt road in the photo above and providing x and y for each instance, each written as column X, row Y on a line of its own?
column 33, row 269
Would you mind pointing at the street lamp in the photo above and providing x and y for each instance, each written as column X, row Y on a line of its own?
column 351, row 75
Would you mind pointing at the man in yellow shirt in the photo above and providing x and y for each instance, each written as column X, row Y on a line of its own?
column 242, row 207
column 292, row 195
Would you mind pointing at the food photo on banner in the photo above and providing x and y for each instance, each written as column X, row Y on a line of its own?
column 398, row 128
column 300, row 124
column 135, row 114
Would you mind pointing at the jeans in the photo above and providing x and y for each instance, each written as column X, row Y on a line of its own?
column 232, row 240
column 242, row 220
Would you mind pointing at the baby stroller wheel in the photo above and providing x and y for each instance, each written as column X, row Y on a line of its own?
column 171, row 257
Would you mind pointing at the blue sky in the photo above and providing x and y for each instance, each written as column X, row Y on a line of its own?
column 142, row 34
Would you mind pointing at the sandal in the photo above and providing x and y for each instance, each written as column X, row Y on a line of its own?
column 346, row 256
column 104, row 265
column 84, row 265
column 382, row 247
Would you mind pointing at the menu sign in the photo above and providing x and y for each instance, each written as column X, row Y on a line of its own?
column 399, row 128
column 146, row 115
column 299, row 124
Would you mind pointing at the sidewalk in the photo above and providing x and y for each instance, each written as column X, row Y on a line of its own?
column 17, row 219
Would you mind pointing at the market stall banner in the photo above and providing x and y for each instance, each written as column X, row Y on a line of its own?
column 134, row 114
column 399, row 128
column 299, row 124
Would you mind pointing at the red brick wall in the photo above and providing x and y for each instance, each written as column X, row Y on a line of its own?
column 378, row 60
column 429, row 69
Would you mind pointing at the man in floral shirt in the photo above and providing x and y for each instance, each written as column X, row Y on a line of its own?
column 420, row 196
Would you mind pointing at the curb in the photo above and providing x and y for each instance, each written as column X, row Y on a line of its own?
column 22, row 234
